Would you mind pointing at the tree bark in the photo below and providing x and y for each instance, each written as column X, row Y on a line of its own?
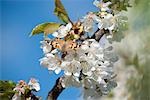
column 56, row 90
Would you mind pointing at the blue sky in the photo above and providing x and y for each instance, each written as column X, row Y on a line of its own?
column 20, row 53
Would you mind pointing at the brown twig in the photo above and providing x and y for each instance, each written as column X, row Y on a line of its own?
column 31, row 95
column 56, row 90
column 99, row 34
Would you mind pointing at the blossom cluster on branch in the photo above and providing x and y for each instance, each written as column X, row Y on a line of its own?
column 82, row 50
column 76, row 49
column 24, row 90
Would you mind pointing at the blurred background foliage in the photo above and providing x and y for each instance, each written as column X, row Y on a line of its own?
column 133, row 68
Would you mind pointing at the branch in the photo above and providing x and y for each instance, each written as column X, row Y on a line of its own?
column 33, row 97
column 99, row 34
column 56, row 91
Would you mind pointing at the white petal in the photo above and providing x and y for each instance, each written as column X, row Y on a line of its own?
column 93, row 69
column 104, row 9
column 57, row 70
column 104, row 73
column 84, row 47
column 107, row 3
column 54, row 51
column 99, row 79
column 109, row 36
column 49, row 55
column 63, row 84
column 77, row 74
column 36, row 86
column 95, row 45
column 89, row 73
column 16, row 97
column 47, row 49
column 55, row 34
column 62, row 32
column 51, row 67
column 100, row 25
column 44, row 62
column 96, row 18
column 64, row 64
column 67, row 73
column 106, row 63
column 109, row 16
column 69, row 26
column 96, row 3
column 111, row 27
column 100, row 56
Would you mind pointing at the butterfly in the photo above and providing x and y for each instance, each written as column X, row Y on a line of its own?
column 63, row 45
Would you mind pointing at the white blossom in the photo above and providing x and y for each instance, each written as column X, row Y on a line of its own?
column 33, row 83
column 51, row 62
column 45, row 45
column 62, row 31
column 88, row 22
column 103, row 6
column 108, row 22
column 70, row 81
column 73, row 68
column 16, row 97
column 20, row 87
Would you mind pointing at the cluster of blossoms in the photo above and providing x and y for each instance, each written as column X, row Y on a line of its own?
column 23, row 88
column 77, row 51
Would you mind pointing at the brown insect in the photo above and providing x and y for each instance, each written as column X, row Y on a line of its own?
column 63, row 45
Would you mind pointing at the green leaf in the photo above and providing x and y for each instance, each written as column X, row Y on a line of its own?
column 46, row 28
column 6, row 90
column 61, row 12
